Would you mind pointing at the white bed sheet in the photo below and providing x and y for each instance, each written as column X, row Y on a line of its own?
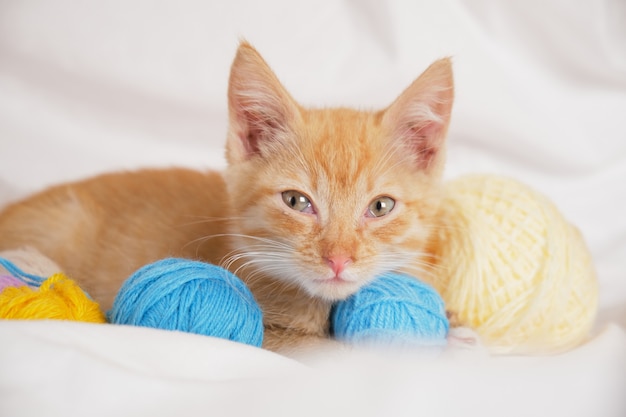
column 88, row 87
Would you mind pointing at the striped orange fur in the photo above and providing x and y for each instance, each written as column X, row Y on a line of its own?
column 298, row 254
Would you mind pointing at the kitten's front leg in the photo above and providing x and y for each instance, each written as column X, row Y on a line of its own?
column 299, row 345
column 295, row 322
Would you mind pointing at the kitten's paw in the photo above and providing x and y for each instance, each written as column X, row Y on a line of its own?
column 463, row 341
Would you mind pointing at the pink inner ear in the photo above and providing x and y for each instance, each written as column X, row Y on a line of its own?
column 425, row 141
column 251, row 135
column 425, row 131
column 250, row 144
column 259, row 126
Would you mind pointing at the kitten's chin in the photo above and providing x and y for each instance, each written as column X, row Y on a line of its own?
column 335, row 289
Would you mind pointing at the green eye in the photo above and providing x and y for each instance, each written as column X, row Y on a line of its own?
column 381, row 206
column 297, row 201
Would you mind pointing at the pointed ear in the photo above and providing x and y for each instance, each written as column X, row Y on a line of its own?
column 261, row 111
column 420, row 116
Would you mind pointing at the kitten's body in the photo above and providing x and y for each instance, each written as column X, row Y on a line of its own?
column 314, row 203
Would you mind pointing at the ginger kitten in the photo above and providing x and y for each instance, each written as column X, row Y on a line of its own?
column 314, row 203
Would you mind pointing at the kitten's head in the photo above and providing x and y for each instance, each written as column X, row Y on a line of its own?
column 329, row 198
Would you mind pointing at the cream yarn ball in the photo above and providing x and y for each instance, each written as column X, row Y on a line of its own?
column 512, row 268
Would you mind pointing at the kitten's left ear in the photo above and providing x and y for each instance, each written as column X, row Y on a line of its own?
column 419, row 117
column 261, row 111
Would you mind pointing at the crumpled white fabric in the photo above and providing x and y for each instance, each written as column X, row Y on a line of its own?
column 57, row 368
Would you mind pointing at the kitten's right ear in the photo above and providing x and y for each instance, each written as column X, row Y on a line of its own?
column 261, row 111
column 420, row 116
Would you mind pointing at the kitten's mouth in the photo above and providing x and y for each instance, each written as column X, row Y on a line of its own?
column 336, row 280
column 334, row 288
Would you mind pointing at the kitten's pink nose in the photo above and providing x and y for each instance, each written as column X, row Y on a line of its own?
column 338, row 263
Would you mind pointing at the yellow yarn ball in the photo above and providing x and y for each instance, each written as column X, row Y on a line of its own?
column 58, row 298
column 513, row 268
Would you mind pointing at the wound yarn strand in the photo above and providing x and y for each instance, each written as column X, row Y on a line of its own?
column 191, row 296
column 395, row 310
column 27, row 296
column 15, row 271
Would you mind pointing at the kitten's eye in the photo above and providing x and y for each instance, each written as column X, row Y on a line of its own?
column 380, row 207
column 297, row 201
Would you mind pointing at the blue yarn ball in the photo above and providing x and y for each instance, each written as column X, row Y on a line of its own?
column 393, row 310
column 190, row 296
